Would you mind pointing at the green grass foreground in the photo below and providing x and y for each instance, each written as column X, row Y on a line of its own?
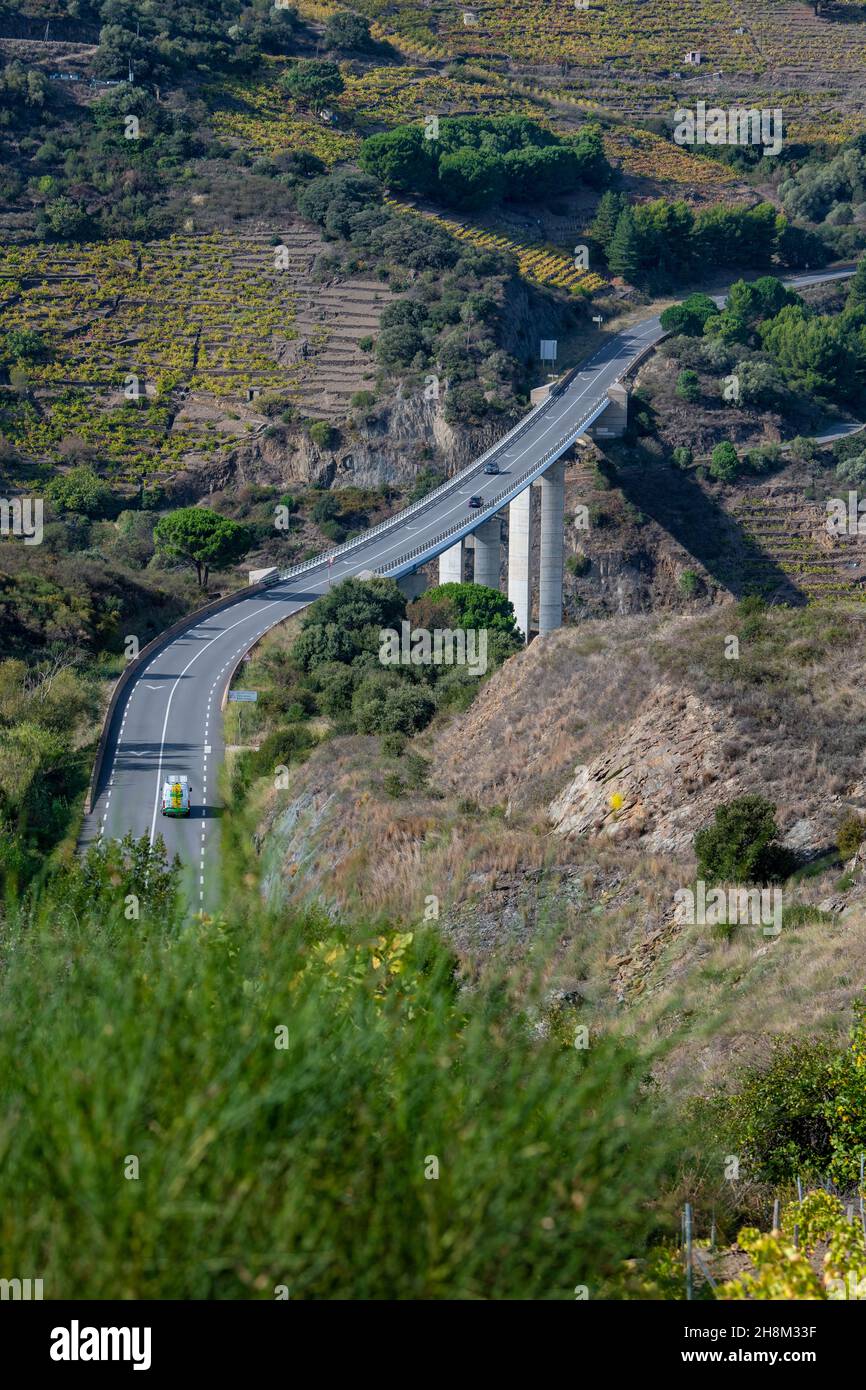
column 304, row 1165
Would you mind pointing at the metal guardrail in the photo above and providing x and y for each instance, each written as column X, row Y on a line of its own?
column 452, row 485
column 514, row 488
column 429, row 500
column 129, row 673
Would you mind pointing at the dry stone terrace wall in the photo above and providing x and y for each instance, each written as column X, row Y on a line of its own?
column 627, row 56
column 336, row 318
column 790, row 535
column 201, row 321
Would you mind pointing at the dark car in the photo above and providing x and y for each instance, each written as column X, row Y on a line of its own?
column 491, row 467
column 476, row 501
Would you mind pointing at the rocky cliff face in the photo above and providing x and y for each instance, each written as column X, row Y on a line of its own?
column 388, row 450
column 561, row 812
column 678, row 760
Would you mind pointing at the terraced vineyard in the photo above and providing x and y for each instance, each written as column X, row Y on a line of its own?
column 788, row 535
column 173, row 340
column 655, row 34
column 643, row 154
column 542, row 264
column 793, row 38
column 258, row 114
column 628, row 56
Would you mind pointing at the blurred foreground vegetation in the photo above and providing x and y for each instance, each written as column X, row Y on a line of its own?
column 220, row 1109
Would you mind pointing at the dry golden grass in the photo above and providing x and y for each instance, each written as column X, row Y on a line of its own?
column 480, row 842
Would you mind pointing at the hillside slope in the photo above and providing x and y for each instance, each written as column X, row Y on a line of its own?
column 514, row 846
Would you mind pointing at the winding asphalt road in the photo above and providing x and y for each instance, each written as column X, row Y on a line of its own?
column 169, row 719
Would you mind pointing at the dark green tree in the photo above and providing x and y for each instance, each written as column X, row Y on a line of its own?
column 348, row 30
column 312, row 82
column 607, row 213
column 201, row 538
column 724, row 462
column 469, row 606
column 471, row 178
column 401, row 158
column 689, row 386
column 623, row 254
column 857, row 287
column 741, row 846
column 690, row 316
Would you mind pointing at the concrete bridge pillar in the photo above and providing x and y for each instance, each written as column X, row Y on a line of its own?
column 412, row 585
column 614, row 422
column 552, row 485
column 519, row 554
column 487, row 540
column 451, row 565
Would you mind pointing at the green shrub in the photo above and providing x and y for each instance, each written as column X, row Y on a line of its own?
column 282, row 747
column 287, row 1088
column 741, row 846
column 688, row 386
column 346, row 30
column 764, row 458
column 323, row 434
column 385, row 704
column 417, row 770
column 775, row 1120
column 345, row 622
column 724, row 462
column 312, row 82
column 80, row 490
column 850, row 835
column 801, row 1114
column 803, row 449
column 335, row 685
column 393, row 745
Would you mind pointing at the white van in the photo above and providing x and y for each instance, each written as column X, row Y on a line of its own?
column 175, row 795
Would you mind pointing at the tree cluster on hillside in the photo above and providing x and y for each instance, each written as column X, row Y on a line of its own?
column 446, row 326
column 775, row 350
column 23, row 90
column 831, row 193
column 475, row 162
column 88, row 179
column 660, row 243
column 335, row 668
column 77, row 161
column 168, row 37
